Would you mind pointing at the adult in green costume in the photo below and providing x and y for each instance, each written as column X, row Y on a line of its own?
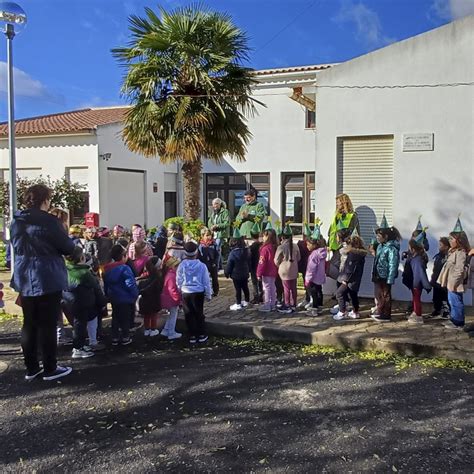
column 219, row 224
column 250, row 210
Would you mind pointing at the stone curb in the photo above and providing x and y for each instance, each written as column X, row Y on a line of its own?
column 327, row 337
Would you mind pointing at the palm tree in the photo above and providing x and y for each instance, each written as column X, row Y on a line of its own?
column 189, row 90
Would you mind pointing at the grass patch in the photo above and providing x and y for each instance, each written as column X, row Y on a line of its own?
column 3, row 252
column 345, row 356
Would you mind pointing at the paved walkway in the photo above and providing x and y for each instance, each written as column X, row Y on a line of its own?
column 428, row 340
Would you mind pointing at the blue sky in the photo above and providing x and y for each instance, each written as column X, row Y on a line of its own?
column 63, row 59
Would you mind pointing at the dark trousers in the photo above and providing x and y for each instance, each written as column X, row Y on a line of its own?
column 213, row 272
column 383, row 295
column 279, row 288
column 122, row 315
column 440, row 298
column 241, row 285
column 40, row 316
column 316, row 292
column 79, row 331
column 193, row 307
column 342, row 295
column 257, row 287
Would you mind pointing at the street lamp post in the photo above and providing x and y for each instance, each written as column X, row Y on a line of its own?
column 13, row 18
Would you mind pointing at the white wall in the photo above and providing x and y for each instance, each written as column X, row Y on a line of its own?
column 110, row 141
column 54, row 154
column 279, row 144
column 438, row 184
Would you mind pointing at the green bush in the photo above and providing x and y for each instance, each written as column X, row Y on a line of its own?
column 189, row 227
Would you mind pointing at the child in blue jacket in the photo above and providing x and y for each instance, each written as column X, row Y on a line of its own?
column 238, row 269
column 122, row 291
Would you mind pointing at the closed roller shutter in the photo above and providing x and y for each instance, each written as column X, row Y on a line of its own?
column 365, row 174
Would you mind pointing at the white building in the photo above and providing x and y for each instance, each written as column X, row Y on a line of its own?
column 281, row 154
column 86, row 147
column 405, row 150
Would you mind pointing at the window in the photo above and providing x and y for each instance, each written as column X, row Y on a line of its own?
column 310, row 119
column 298, row 203
column 77, row 214
column 24, row 173
column 170, row 204
column 231, row 188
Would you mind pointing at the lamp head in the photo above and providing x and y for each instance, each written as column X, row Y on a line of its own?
column 12, row 17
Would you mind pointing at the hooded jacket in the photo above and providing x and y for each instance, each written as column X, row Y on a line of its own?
column 238, row 264
column 119, row 283
column 208, row 253
column 353, row 268
column 170, row 296
column 453, row 272
column 316, row 268
column 39, row 241
column 150, row 288
column 83, row 292
column 386, row 262
column 287, row 264
column 222, row 221
column 192, row 277
column 266, row 266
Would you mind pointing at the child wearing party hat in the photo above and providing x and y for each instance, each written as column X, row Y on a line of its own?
column 267, row 271
column 254, row 250
column 286, row 259
column 440, row 294
column 350, row 276
column 417, row 275
column 237, row 268
column 315, row 275
column 385, row 269
column 303, row 263
column 454, row 274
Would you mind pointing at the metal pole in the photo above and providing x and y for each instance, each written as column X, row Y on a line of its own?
column 10, row 34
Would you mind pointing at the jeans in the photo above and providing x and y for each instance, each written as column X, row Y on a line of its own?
column 170, row 324
column 219, row 259
column 456, row 302
column 193, row 306
column 342, row 295
column 316, row 292
column 289, row 290
column 122, row 315
column 92, row 331
column 383, row 294
column 241, row 286
column 269, row 290
column 40, row 316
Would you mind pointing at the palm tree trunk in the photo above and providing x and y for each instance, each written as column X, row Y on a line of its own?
column 192, row 189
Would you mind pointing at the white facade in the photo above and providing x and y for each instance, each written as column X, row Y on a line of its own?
column 82, row 156
column 438, row 184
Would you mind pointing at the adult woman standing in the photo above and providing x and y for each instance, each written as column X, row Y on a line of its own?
column 219, row 223
column 39, row 241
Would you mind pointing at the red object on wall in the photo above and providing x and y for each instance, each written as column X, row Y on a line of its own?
column 92, row 219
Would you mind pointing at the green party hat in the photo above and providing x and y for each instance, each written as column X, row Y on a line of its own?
column 269, row 225
column 236, row 234
column 255, row 228
column 418, row 225
column 458, row 226
column 278, row 227
column 355, row 233
column 383, row 222
column 373, row 240
column 340, row 226
column 421, row 236
column 306, row 229
column 287, row 230
column 316, row 235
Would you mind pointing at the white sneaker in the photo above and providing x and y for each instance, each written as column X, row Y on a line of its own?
column 174, row 335
column 235, row 307
column 154, row 332
column 334, row 309
column 339, row 316
column 244, row 304
column 146, row 332
column 308, row 305
column 353, row 315
column 373, row 310
column 81, row 354
column 413, row 318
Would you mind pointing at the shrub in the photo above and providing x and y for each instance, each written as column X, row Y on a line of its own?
column 192, row 228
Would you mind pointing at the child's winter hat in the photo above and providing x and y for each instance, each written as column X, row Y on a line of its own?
column 306, row 229
column 458, row 225
column 190, row 249
column 119, row 228
column 75, row 229
column 103, row 232
column 177, row 239
column 138, row 234
column 287, row 231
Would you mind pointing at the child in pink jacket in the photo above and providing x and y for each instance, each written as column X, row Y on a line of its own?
column 170, row 298
column 267, row 271
column 316, row 272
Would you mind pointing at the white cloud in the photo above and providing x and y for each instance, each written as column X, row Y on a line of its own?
column 366, row 21
column 25, row 86
column 452, row 9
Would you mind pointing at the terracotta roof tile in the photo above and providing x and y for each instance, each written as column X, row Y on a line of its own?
column 76, row 121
